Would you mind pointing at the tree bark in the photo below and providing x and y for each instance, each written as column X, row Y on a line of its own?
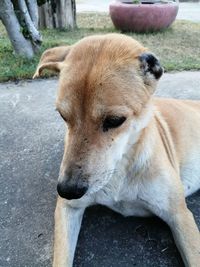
column 58, row 14
column 33, row 11
column 23, row 44
column 47, row 17
column 32, row 30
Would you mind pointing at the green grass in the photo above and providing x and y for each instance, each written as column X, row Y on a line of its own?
column 177, row 47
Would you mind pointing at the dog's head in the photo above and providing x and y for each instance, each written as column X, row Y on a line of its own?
column 105, row 87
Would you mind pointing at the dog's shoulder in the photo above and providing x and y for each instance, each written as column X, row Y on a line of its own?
column 168, row 105
column 181, row 119
column 176, row 113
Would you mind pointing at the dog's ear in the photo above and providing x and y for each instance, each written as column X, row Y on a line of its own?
column 52, row 59
column 150, row 67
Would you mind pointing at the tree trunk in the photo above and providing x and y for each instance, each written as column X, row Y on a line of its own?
column 58, row 14
column 47, row 16
column 24, row 37
column 33, row 11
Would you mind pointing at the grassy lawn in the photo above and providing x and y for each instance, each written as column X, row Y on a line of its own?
column 177, row 47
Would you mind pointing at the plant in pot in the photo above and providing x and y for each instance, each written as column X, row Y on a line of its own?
column 143, row 15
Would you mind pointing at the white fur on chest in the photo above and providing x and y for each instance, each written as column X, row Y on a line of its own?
column 123, row 201
column 190, row 173
column 135, row 208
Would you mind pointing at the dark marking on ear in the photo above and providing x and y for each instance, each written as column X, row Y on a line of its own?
column 150, row 64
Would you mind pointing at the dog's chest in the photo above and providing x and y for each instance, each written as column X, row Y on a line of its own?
column 134, row 208
column 123, row 205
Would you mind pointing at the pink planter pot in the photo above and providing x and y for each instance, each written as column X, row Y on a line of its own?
column 143, row 17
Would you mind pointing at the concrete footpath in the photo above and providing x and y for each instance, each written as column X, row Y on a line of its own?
column 31, row 147
column 187, row 11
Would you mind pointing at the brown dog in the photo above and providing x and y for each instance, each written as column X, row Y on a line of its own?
column 125, row 149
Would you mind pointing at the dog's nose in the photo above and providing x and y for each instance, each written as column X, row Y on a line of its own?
column 71, row 192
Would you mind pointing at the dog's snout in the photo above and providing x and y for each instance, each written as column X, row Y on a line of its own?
column 71, row 191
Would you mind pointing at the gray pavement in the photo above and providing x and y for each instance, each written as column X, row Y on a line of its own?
column 31, row 147
column 187, row 11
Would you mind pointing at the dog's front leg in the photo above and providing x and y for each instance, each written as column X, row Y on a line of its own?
column 171, row 207
column 67, row 227
column 165, row 198
column 186, row 235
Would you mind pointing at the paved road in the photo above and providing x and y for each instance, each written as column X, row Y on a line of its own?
column 31, row 147
column 187, row 11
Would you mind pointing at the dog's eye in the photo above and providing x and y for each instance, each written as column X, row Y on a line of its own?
column 62, row 116
column 112, row 122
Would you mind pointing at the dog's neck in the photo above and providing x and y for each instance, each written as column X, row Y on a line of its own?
column 135, row 162
column 141, row 144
